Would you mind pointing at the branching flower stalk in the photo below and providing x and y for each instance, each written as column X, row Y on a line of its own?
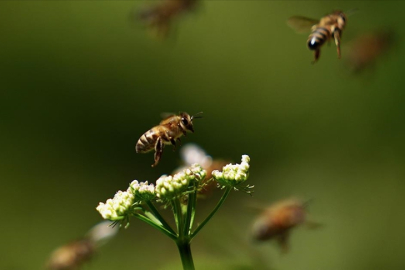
column 179, row 192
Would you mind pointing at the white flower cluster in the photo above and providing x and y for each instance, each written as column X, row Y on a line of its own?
column 196, row 172
column 233, row 175
column 143, row 191
column 117, row 208
column 169, row 187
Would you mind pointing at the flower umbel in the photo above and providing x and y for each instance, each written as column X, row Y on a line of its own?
column 233, row 175
column 179, row 191
column 117, row 208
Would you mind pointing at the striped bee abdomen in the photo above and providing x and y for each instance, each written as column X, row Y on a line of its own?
column 147, row 141
column 318, row 37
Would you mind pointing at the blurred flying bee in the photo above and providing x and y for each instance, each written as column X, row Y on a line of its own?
column 192, row 153
column 328, row 27
column 74, row 254
column 367, row 48
column 168, row 131
column 276, row 221
column 158, row 18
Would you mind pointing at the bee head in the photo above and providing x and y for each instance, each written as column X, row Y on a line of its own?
column 341, row 20
column 186, row 121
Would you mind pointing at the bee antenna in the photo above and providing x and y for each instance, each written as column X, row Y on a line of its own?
column 196, row 115
column 307, row 202
column 352, row 11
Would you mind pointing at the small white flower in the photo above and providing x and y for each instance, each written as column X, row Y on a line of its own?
column 117, row 208
column 169, row 187
column 143, row 191
column 233, row 175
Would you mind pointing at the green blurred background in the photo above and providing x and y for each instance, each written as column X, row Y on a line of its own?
column 80, row 82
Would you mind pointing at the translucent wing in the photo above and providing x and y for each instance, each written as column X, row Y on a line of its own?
column 165, row 115
column 301, row 24
column 352, row 11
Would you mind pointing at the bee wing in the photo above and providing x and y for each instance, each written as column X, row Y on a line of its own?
column 301, row 24
column 165, row 115
column 352, row 11
column 102, row 232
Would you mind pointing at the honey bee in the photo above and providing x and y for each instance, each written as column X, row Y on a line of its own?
column 276, row 221
column 74, row 254
column 328, row 27
column 168, row 131
column 159, row 17
column 367, row 48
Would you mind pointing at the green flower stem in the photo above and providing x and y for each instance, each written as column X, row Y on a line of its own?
column 224, row 196
column 178, row 215
column 192, row 199
column 159, row 227
column 159, row 217
column 185, row 254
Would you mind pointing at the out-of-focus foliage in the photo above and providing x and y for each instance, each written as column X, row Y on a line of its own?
column 80, row 83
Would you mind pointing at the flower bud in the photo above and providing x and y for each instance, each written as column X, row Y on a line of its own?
column 233, row 175
column 143, row 191
column 118, row 207
column 169, row 187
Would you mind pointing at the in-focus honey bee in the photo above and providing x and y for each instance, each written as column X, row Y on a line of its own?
column 74, row 254
column 330, row 26
column 159, row 17
column 276, row 221
column 367, row 48
column 168, row 131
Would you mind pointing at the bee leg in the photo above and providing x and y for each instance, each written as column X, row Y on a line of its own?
column 283, row 242
column 158, row 151
column 337, row 35
column 173, row 142
column 312, row 224
column 317, row 54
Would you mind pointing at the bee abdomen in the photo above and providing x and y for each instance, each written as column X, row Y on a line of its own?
column 146, row 142
column 318, row 37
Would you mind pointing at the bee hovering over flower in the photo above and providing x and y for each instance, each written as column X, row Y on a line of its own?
column 76, row 253
column 277, row 220
column 168, row 131
column 328, row 27
column 158, row 18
